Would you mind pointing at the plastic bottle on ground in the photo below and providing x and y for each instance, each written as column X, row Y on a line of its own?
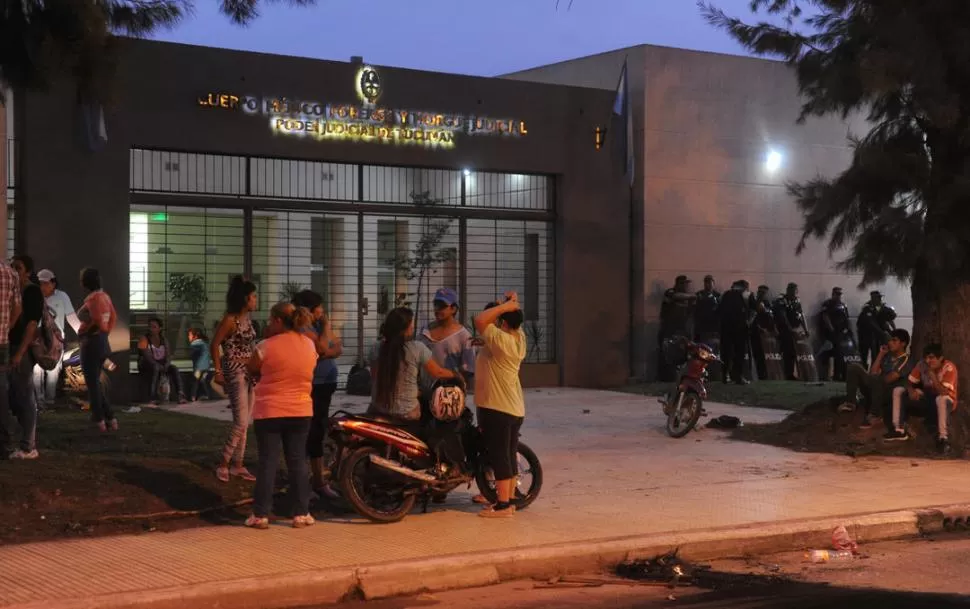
column 823, row 556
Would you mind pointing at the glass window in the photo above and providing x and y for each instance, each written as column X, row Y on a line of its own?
column 504, row 255
column 161, row 171
column 508, row 191
column 303, row 180
column 180, row 259
column 400, row 184
column 294, row 251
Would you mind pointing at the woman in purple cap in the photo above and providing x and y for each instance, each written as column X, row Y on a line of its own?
column 449, row 341
column 452, row 348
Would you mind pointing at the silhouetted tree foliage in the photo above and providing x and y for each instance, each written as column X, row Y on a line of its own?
column 42, row 39
column 900, row 208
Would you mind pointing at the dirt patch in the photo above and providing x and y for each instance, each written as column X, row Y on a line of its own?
column 143, row 478
column 820, row 428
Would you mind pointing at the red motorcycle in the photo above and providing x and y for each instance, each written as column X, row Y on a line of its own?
column 686, row 406
column 382, row 466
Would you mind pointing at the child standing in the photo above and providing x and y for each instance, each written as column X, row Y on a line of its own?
column 201, row 365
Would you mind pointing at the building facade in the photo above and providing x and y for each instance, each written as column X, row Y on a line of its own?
column 716, row 143
column 373, row 186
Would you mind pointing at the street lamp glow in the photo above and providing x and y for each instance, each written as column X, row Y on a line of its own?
column 773, row 161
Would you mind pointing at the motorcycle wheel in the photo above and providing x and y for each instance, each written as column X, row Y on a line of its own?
column 364, row 485
column 683, row 418
column 485, row 480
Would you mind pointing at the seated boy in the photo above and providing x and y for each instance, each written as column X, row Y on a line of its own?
column 888, row 371
column 933, row 388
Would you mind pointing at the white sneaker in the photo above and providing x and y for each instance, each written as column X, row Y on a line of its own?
column 19, row 454
column 300, row 522
column 256, row 522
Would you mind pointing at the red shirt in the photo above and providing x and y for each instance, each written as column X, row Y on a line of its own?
column 97, row 312
column 947, row 375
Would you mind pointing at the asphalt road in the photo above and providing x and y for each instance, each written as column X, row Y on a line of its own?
column 896, row 575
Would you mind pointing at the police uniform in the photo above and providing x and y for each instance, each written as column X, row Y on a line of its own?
column 837, row 314
column 734, row 332
column 761, row 322
column 675, row 319
column 874, row 325
column 706, row 320
column 789, row 317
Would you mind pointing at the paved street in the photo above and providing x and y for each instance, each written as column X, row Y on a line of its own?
column 610, row 472
column 897, row 575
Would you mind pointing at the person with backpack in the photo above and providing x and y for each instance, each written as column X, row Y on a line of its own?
column 60, row 305
column 21, row 368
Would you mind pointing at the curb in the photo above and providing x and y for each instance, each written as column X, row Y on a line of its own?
column 472, row 570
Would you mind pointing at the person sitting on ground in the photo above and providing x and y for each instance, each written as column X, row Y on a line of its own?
column 932, row 387
column 498, row 396
column 156, row 360
column 202, row 372
column 887, row 372
column 398, row 364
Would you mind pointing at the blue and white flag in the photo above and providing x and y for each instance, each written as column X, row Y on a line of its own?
column 623, row 117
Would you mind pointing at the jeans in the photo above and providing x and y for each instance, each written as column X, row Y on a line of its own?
column 873, row 388
column 322, row 396
column 290, row 434
column 201, row 384
column 241, row 394
column 938, row 408
column 6, row 423
column 21, row 396
column 45, row 383
column 94, row 350
column 155, row 370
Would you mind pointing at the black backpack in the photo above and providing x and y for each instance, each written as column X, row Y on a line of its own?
column 359, row 381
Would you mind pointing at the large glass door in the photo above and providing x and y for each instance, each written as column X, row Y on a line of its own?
column 404, row 260
column 294, row 251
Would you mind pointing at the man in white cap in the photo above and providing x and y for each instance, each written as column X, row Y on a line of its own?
column 60, row 304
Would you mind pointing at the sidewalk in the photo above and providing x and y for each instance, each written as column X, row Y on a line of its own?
column 610, row 472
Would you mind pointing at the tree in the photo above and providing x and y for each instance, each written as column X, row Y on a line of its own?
column 427, row 254
column 40, row 40
column 900, row 208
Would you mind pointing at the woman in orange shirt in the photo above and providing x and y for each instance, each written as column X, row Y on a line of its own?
column 98, row 318
column 282, row 410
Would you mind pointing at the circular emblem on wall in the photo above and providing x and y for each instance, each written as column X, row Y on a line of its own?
column 369, row 84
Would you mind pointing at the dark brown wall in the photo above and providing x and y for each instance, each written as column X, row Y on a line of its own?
column 74, row 203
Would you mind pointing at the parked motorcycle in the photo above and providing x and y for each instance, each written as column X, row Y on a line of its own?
column 72, row 377
column 684, row 406
column 382, row 467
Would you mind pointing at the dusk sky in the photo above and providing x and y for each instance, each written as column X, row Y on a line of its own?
column 486, row 37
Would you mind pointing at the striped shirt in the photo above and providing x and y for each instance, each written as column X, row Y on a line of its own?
column 10, row 298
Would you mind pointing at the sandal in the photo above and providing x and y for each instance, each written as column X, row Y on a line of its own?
column 480, row 500
column 222, row 473
column 242, row 472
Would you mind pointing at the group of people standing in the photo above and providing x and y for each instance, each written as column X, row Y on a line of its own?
column 285, row 383
column 773, row 332
column 28, row 301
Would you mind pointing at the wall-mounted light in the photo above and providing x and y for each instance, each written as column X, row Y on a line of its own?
column 599, row 137
column 466, row 172
column 773, row 161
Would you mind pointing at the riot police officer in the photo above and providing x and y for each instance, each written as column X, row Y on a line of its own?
column 790, row 320
column 761, row 321
column 876, row 321
column 734, row 331
column 676, row 315
column 836, row 330
column 707, row 325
